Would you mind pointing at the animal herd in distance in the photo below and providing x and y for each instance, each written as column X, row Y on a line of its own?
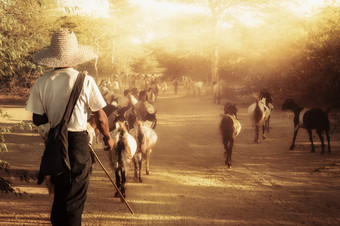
column 259, row 113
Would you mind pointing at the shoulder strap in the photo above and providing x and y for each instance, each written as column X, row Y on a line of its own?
column 78, row 86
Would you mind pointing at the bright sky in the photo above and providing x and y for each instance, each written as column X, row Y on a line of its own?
column 165, row 7
column 306, row 8
column 100, row 8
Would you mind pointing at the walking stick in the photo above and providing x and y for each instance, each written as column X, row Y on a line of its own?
column 108, row 175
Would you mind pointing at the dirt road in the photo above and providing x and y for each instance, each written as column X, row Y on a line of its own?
column 189, row 184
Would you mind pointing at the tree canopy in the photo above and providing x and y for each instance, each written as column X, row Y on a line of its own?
column 281, row 45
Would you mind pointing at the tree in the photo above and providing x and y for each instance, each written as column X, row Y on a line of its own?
column 20, row 35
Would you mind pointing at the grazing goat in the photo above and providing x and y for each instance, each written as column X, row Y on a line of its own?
column 146, row 140
column 259, row 113
column 309, row 119
column 230, row 127
column 269, row 103
column 217, row 90
column 120, row 156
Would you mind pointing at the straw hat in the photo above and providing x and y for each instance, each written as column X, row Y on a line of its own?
column 64, row 51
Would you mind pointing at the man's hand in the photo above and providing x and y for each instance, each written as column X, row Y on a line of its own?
column 101, row 121
column 108, row 141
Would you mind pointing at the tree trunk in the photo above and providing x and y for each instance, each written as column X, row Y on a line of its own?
column 215, row 52
column 214, row 63
column 96, row 69
column 113, row 55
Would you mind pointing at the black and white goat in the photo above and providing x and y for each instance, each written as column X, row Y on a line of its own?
column 124, row 149
column 309, row 119
column 150, row 119
column 230, row 127
column 259, row 114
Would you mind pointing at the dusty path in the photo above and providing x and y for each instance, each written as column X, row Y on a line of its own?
column 189, row 183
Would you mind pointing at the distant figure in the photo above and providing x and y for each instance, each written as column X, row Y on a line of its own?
column 175, row 83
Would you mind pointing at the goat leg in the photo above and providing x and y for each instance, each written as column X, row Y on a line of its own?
column 147, row 162
column 294, row 137
column 328, row 141
column 123, row 176
column 257, row 130
column 319, row 132
column 117, row 182
column 140, row 163
column 263, row 130
column 230, row 152
column 136, row 168
column 227, row 156
column 311, row 139
column 225, row 143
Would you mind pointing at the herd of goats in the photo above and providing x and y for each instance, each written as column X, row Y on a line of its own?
column 259, row 112
column 132, row 120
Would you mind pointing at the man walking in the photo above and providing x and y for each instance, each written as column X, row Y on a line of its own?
column 47, row 102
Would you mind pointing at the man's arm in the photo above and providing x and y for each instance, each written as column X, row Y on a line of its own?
column 39, row 119
column 103, row 126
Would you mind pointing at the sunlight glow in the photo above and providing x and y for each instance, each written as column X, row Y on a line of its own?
column 94, row 8
column 307, row 8
column 149, row 37
column 161, row 219
column 165, row 7
column 248, row 17
column 201, row 180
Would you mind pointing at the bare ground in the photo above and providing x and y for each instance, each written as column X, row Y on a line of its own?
column 189, row 183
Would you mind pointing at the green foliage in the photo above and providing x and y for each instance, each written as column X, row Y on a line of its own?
column 3, row 130
column 3, row 148
column 23, row 126
column 19, row 35
column 322, row 59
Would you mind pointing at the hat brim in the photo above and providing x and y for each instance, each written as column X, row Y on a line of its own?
column 49, row 59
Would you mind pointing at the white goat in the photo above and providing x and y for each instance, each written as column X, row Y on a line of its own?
column 259, row 114
column 146, row 139
column 120, row 156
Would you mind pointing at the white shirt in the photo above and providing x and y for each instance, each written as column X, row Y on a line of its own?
column 51, row 92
